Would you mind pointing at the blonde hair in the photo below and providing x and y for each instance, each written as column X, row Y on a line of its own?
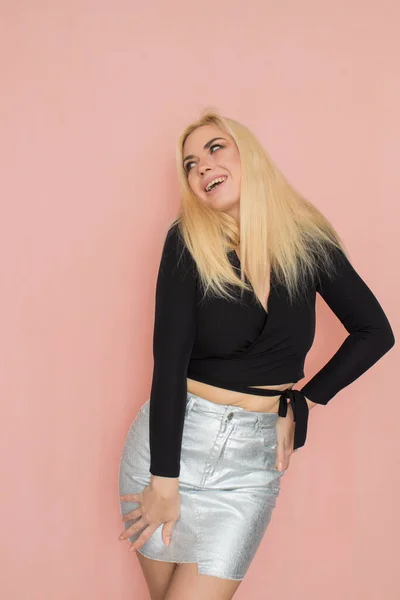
column 280, row 232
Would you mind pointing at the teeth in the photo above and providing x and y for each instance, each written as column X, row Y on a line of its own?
column 217, row 179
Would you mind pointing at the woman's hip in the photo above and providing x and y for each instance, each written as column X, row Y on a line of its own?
column 223, row 447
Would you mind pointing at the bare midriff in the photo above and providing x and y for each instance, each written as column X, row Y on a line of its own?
column 246, row 401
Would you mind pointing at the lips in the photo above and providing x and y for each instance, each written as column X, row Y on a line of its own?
column 214, row 189
column 211, row 178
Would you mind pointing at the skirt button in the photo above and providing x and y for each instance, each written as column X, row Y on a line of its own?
column 230, row 416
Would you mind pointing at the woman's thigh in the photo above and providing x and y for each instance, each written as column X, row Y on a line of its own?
column 188, row 584
column 158, row 575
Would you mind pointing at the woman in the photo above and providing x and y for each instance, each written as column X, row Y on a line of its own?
column 234, row 319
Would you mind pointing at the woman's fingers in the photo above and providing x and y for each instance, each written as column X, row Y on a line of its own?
column 132, row 529
column 156, row 508
column 285, row 439
column 134, row 514
column 280, row 458
column 144, row 536
column 287, row 459
column 284, row 457
column 167, row 532
column 283, row 454
column 131, row 497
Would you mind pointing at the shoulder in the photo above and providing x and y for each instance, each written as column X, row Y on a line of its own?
column 340, row 278
column 174, row 237
column 175, row 253
column 174, row 243
column 331, row 264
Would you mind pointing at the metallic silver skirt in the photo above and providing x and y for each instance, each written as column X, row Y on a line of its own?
column 228, row 486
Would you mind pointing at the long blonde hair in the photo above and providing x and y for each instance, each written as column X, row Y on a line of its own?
column 280, row 232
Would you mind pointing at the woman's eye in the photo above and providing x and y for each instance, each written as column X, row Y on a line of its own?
column 187, row 166
column 213, row 146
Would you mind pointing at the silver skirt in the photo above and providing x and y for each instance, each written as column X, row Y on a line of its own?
column 228, row 486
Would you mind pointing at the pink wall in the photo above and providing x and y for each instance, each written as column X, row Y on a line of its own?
column 93, row 96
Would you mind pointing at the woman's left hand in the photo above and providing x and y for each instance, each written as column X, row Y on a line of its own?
column 285, row 439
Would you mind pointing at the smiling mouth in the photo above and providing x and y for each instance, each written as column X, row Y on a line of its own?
column 216, row 186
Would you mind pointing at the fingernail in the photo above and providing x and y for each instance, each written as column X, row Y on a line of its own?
column 280, row 466
column 132, row 549
column 168, row 541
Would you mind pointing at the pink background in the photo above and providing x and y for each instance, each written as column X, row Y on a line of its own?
column 93, row 97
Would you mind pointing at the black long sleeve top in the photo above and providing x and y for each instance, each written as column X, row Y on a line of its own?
column 235, row 345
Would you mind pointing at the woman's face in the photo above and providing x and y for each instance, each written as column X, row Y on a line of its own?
column 209, row 153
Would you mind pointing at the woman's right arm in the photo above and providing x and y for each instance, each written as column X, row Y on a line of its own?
column 173, row 338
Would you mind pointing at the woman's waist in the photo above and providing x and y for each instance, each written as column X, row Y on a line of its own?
column 251, row 401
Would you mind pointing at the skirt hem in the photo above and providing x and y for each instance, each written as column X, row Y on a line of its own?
column 200, row 570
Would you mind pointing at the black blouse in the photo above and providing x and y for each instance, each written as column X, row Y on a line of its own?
column 235, row 344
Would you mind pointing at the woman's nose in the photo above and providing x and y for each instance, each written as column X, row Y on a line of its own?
column 204, row 167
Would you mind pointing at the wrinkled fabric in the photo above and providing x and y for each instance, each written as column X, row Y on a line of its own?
column 228, row 486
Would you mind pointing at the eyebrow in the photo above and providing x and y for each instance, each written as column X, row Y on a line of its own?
column 207, row 145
